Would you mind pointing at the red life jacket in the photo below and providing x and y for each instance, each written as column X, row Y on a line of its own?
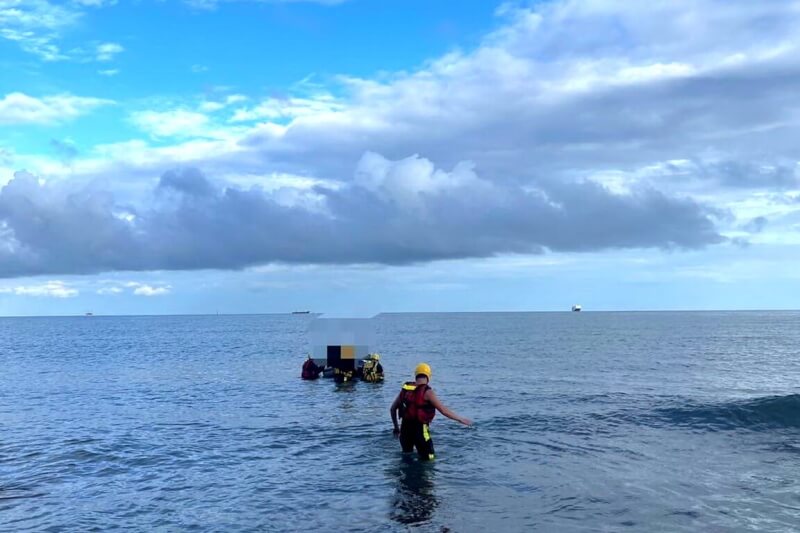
column 310, row 370
column 413, row 403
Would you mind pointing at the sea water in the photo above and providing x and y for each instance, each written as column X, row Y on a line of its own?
column 583, row 422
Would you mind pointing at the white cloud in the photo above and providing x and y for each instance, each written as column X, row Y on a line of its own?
column 109, row 72
column 216, row 105
column 37, row 25
column 34, row 44
column 107, row 51
column 19, row 108
column 109, row 290
column 407, row 180
column 621, row 94
column 52, row 289
column 34, row 14
column 211, row 107
column 177, row 123
column 563, row 89
column 197, row 69
column 283, row 108
column 147, row 290
column 111, row 287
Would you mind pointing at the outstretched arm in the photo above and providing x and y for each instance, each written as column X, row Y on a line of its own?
column 431, row 397
column 393, row 410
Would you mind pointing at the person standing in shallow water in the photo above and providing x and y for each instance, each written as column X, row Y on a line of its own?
column 417, row 404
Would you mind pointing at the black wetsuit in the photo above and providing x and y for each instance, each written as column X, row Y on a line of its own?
column 413, row 431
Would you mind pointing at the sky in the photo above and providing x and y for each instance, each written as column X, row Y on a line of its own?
column 352, row 157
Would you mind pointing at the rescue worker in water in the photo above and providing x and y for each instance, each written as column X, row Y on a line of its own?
column 417, row 404
column 310, row 369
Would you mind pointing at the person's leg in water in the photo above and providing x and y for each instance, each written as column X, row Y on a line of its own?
column 414, row 434
column 424, row 443
column 408, row 436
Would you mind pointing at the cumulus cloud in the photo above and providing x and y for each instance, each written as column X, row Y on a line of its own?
column 571, row 88
column 19, row 108
column 564, row 89
column 394, row 212
column 52, row 289
column 574, row 126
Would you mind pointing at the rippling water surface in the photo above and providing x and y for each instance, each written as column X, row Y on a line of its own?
column 584, row 422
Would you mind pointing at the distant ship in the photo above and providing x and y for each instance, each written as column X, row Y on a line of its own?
column 89, row 314
column 576, row 308
column 300, row 312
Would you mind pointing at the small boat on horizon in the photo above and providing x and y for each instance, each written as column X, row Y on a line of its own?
column 576, row 308
column 301, row 312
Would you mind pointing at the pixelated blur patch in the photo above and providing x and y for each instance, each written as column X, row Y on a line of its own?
column 348, row 352
column 340, row 341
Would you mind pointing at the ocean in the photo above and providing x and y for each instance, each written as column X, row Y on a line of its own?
column 649, row 421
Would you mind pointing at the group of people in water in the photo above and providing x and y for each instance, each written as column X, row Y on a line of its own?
column 370, row 370
column 415, row 405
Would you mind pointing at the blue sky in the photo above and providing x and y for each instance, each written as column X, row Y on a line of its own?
column 354, row 157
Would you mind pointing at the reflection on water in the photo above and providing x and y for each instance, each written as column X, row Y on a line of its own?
column 414, row 499
column 347, row 400
column 347, row 386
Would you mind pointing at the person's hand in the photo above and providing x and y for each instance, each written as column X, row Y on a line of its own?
column 466, row 421
column 396, row 433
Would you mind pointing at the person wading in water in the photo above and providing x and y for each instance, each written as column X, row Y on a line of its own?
column 310, row 369
column 417, row 404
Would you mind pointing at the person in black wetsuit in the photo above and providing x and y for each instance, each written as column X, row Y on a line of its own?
column 417, row 404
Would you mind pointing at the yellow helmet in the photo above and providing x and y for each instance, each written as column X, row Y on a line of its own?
column 424, row 369
column 375, row 356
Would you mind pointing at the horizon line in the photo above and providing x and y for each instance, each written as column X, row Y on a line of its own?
column 338, row 315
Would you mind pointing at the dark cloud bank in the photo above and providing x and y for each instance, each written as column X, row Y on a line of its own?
column 192, row 223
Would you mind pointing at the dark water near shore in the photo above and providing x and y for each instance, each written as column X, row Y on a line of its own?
column 584, row 422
